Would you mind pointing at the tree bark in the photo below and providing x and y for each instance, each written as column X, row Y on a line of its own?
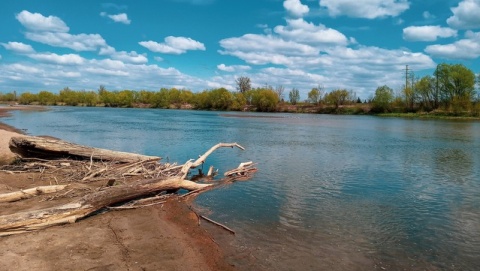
column 48, row 148
column 71, row 212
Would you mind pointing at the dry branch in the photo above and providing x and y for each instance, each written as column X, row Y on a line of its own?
column 218, row 224
column 31, row 192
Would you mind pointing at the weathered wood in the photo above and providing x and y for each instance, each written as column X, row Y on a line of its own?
column 69, row 213
column 31, row 192
column 105, row 197
column 31, row 146
column 193, row 164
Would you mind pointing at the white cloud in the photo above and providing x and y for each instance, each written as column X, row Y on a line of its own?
column 465, row 15
column 233, row 68
column 68, row 59
column 295, row 8
column 468, row 48
column 369, row 9
column 129, row 57
column 301, row 31
column 265, row 46
column 38, row 22
column 53, row 31
column 21, row 68
column 18, row 47
column 157, row 58
column 427, row 33
column 118, row 18
column 80, row 42
column 427, row 15
column 173, row 45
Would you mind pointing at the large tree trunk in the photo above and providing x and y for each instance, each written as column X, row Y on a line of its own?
column 69, row 213
column 48, row 148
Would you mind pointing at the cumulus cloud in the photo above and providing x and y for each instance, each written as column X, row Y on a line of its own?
column 68, row 59
column 427, row 33
column 233, row 68
column 301, row 31
column 18, row 47
column 468, row 48
column 118, row 18
column 370, row 9
column 465, row 15
column 295, row 8
column 129, row 57
column 53, row 31
column 173, row 45
column 305, row 55
column 38, row 22
column 80, row 42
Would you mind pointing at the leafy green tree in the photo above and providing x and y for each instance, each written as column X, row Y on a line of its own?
column 8, row 97
column 68, row 96
column 337, row 97
column 314, row 95
column 46, row 98
column 238, row 102
column 382, row 99
column 265, row 100
column 425, row 89
column 455, row 81
column 27, row 98
column 220, row 98
column 294, row 96
column 243, row 84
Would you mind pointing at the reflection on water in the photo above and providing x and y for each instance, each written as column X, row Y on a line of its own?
column 332, row 192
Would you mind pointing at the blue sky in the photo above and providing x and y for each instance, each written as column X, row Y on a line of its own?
column 204, row 44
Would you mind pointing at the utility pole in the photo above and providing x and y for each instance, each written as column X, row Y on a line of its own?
column 436, row 88
column 406, row 77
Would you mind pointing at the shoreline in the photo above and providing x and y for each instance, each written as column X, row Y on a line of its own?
column 159, row 237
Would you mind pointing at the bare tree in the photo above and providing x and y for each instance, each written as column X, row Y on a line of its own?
column 243, row 84
column 280, row 90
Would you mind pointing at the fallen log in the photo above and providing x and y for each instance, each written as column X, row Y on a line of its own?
column 71, row 212
column 51, row 148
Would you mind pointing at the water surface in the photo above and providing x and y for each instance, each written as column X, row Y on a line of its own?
column 332, row 192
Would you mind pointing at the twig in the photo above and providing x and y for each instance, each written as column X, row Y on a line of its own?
column 218, row 224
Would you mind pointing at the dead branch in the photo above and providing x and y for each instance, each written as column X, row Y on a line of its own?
column 31, row 192
column 218, row 224
column 193, row 164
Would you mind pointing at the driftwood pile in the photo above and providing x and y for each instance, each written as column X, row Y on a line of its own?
column 100, row 179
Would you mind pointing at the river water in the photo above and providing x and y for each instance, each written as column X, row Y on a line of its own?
column 331, row 192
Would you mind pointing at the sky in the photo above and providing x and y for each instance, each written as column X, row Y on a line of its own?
column 356, row 45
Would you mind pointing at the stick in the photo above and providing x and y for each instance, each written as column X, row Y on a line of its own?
column 218, row 224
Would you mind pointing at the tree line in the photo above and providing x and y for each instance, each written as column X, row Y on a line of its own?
column 451, row 90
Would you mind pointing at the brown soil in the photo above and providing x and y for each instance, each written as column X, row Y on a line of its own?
column 159, row 237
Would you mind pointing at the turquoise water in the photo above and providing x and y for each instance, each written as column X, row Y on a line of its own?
column 332, row 192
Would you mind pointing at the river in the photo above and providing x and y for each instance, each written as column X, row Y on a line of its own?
column 331, row 192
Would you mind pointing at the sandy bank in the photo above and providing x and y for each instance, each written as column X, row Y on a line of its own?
column 161, row 237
